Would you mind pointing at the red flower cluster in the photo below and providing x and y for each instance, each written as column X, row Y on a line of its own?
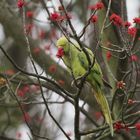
column 60, row 52
column 127, row 24
column 132, row 31
column 119, row 125
column 120, row 85
column 21, row 92
column 136, row 20
column 29, row 14
column 137, row 126
column 55, row 16
column 134, row 58
column 116, row 19
column 94, row 19
column 108, row 55
column 97, row 6
column 20, row 3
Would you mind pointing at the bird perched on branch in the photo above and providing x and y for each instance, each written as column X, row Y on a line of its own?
column 77, row 62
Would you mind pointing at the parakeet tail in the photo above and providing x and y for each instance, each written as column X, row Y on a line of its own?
column 102, row 101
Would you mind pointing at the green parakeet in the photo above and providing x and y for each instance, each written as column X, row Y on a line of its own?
column 76, row 61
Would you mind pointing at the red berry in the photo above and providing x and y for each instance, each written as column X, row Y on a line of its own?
column 29, row 14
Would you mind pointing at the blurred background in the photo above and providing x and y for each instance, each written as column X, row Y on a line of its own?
column 42, row 36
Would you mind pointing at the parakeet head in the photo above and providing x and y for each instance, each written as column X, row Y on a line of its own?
column 64, row 44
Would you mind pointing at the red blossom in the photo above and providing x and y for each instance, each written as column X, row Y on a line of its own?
column 29, row 14
column 20, row 3
column 120, row 85
column 127, row 24
column 97, row 6
column 60, row 52
column 132, row 31
column 20, row 93
column 52, row 68
column 137, row 126
column 108, row 55
column 136, row 20
column 94, row 19
column 26, row 89
column 55, row 16
column 134, row 58
column 116, row 19
column 118, row 126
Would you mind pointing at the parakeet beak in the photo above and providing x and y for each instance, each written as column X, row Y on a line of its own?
column 60, row 52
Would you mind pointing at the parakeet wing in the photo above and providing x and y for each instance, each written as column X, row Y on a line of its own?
column 95, row 71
